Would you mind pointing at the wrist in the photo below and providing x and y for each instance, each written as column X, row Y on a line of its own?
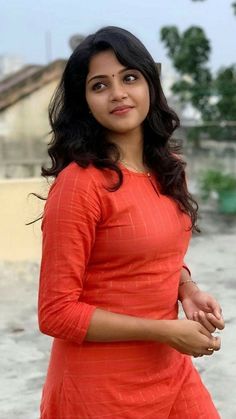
column 187, row 289
column 159, row 330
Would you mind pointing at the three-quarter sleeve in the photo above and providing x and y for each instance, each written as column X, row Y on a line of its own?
column 71, row 214
column 187, row 268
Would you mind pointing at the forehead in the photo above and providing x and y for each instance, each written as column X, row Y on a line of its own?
column 104, row 62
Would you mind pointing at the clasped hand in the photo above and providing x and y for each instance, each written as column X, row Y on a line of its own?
column 204, row 309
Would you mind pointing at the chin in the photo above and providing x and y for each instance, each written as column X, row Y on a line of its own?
column 121, row 131
column 123, row 128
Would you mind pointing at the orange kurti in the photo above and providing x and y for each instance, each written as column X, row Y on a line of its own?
column 123, row 252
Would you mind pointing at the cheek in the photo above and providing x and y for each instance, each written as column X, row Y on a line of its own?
column 98, row 108
column 87, row 96
column 95, row 103
column 145, row 100
column 89, row 100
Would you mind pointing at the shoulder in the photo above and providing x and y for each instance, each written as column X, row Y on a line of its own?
column 74, row 171
column 74, row 190
column 77, row 177
column 78, row 185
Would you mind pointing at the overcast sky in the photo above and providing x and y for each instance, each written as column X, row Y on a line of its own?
column 24, row 24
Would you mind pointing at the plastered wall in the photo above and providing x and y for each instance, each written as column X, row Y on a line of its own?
column 19, row 242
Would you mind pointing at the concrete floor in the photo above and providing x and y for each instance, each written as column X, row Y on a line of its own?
column 24, row 351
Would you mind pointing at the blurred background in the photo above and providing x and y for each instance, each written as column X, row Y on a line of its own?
column 194, row 43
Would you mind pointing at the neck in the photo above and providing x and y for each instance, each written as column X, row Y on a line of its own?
column 130, row 146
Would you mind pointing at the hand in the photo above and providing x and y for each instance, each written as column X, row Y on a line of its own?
column 202, row 307
column 191, row 338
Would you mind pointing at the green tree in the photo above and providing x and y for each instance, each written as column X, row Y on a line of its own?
column 189, row 53
column 213, row 96
column 234, row 7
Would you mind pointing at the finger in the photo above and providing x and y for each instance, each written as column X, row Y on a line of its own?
column 213, row 345
column 218, row 323
column 216, row 343
column 205, row 322
column 214, row 307
column 204, row 330
column 217, row 311
column 195, row 316
column 208, row 351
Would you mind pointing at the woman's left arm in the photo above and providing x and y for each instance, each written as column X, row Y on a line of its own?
column 199, row 305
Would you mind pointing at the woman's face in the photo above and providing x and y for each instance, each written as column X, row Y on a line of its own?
column 110, row 85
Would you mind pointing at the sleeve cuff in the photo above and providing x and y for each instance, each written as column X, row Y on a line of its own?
column 187, row 269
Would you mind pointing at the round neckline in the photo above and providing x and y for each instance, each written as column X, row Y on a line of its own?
column 125, row 169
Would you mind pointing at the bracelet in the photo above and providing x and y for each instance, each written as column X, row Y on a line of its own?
column 185, row 282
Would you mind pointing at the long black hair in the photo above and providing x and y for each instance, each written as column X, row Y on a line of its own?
column 77, row 136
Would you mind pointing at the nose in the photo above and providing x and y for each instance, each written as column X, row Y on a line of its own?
column 118, row 91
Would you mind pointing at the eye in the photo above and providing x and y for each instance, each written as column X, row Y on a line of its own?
column 130, row 77
column 98, row 86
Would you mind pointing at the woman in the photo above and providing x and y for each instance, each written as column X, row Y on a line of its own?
column 116, row 227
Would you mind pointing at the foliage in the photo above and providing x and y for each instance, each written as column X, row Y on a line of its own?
column 189, row 53
column 213, row 96
column 225, row 87
column 234, row 7
column 215, row 180
column 191, row 44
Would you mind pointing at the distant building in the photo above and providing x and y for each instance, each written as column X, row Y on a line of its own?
column 9, row 64
column 24, row 125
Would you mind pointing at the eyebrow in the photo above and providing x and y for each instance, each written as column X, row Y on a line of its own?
column 102, row 76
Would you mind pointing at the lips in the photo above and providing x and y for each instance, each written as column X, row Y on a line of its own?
column 121, row 108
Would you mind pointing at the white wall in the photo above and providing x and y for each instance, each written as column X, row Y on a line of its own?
column 19, row 242
column 27, row 119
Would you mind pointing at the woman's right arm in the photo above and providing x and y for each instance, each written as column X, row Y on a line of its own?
column 186, row 336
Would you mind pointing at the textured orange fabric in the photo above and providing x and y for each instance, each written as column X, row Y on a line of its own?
column 121, row 251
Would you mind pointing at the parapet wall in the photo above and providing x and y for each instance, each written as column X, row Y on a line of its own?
column 19, row 242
